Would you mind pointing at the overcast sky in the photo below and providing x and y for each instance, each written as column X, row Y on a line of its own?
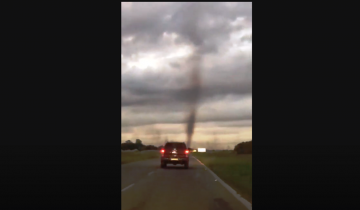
column 158, row 41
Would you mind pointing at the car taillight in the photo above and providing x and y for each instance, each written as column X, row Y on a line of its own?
column 186, row 151
column 162, row 151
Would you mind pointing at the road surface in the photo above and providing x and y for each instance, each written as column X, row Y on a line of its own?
column 146, row 186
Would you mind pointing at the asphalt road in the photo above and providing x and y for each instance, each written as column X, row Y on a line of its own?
column 146, row 186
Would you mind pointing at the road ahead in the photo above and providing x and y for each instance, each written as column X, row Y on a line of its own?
column 146, row 186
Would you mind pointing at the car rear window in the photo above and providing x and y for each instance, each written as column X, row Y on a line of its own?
column 175, row 145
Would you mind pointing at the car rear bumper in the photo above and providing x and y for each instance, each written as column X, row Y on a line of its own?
column 175, row 160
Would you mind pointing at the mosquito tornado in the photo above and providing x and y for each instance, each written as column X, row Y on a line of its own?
column 193, row 96
column 190, row 27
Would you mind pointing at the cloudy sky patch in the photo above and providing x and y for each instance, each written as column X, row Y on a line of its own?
column 158, row 42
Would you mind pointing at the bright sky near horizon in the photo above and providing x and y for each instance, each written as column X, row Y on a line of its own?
column 157, row 41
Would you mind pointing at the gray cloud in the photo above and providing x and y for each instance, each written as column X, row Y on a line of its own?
column 179, row 121
column 155, row 89
column 241, row 123
column 204, row 25
column 175, row 65
column 208, row 28
column 148, row 115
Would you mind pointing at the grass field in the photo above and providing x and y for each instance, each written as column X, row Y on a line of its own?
column 235, row 170
column 128, row 157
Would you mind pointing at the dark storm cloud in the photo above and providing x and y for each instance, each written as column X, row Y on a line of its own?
column 204, row 26
column 155, row 89
column 143, row 97
column 150, row 121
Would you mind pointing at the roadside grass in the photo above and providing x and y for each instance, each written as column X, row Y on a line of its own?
column 234, row 169
column 128, row 157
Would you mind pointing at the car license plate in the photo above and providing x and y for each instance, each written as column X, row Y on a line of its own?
column 174, row 158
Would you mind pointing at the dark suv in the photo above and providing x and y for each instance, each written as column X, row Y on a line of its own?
column 175, row 153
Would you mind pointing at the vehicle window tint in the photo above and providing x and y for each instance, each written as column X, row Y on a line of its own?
column 175, row 145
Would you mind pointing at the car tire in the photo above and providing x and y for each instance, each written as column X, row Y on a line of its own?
column 163, row 165
column 186, row 165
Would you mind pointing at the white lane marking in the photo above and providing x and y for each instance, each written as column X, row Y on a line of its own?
column 150, row 173
column 127, row 187
column 246, row 203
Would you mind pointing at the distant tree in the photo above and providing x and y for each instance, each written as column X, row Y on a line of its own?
column 128, row 145
column 138, row 141
column 244, row 148
column 150, row 147
column 139, row 145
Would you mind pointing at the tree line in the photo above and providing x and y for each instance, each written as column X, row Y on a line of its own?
column 241, row 148
column 244, row 148
column 129, row 145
